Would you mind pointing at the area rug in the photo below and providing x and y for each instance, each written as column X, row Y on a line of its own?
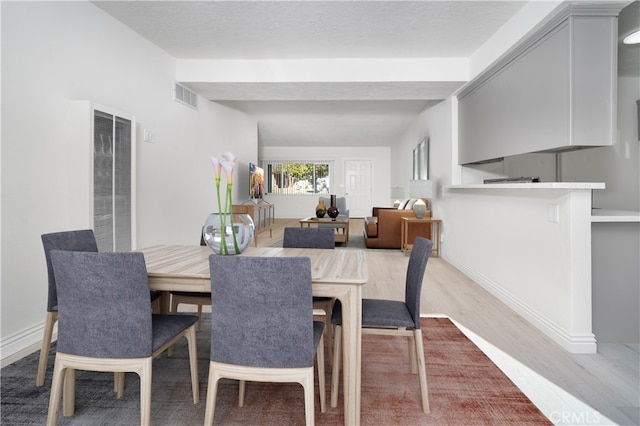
column 465, row 388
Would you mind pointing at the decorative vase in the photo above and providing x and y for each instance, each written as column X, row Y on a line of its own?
column 333, row 211
column 419, row 209
column 228, row 233
column 321, row 209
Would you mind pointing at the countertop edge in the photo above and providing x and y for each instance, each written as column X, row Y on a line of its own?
column 532, row 185
column 614, row 216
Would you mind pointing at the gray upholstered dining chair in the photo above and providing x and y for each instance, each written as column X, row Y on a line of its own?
column 80, row 240
column 77, row 240
column 105, row 323
column 191, row 298
column 320, row 238
column 393, row 317
column 262, row 326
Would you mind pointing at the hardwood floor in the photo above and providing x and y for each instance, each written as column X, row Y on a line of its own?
column 570, row 389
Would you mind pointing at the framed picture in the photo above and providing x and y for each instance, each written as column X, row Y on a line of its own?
column 421, row 160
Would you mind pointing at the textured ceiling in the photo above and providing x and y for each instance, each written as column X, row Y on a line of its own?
column 314, row 29
column 320, row 114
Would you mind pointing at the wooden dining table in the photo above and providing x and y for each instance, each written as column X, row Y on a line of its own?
column 335, row 273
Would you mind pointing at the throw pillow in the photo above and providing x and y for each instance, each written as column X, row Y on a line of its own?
column 410, row 204
column 403, row 203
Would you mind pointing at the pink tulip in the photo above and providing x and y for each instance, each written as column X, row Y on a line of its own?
column 230, row 157
column 227, row 164
column 228, row 170
column 217, row 167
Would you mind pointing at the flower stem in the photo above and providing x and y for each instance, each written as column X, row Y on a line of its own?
column 223, row 221
column 233, row 229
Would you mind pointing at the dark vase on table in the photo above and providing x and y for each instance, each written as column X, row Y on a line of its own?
column 321, row 209
column 333, row 211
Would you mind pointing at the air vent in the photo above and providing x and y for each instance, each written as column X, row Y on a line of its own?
column 185, row 96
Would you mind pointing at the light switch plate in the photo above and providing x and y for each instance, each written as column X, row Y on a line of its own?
column 149, row 136
column 553, row 213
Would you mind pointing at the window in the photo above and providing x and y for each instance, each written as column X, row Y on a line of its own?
column 297, row 178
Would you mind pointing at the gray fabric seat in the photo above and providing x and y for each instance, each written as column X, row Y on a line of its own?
column 80, row 240
column 262, row 326
column 382, row 313
column 105, row 323
column 384, row 317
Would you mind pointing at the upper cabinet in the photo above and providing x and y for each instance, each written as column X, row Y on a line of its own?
column 554, row 92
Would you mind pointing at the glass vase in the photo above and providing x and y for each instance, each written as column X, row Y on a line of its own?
column 229, row 233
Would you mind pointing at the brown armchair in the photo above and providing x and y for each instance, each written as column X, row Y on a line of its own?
column 382, row 229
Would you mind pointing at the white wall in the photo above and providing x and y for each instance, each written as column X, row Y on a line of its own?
column 304, row 205
column 434, row 124
column 55, row 52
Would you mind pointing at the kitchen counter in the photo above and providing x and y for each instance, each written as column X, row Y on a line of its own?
column 531, row 185
column 605, row 215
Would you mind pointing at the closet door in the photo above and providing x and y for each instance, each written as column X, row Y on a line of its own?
column 112, row 181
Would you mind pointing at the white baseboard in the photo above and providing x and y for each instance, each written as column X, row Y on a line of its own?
column 23, row 343
column 572, row 342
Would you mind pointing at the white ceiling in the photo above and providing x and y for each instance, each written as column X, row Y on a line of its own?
column 320, row 114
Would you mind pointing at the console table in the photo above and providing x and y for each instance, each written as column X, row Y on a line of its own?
column 263, row 216
column 427, row 221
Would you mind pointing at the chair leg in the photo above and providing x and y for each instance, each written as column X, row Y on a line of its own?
column 155, row 306
column 56, row 393
column 241, row 389
column 69, row 393
column 50, row 320
column 173, row 310
column 321, row 376
column 309, row 412
column 145, row 374
column 412, row 355
column 335, row 373
column 199, row 317
column 212, row 392
column 118, row 384
column 193, row 363
column 327, row 307
column 329, row 328
column 174, row 305
column 422, row 370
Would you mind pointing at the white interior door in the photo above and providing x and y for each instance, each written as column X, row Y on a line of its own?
column 357, row 191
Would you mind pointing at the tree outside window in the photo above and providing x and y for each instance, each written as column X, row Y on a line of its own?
column 297, row 178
